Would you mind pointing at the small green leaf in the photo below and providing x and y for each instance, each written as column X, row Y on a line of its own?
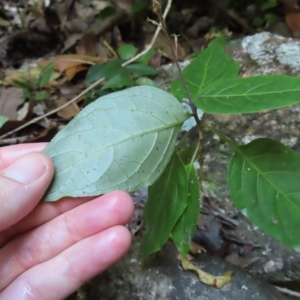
column 41, row 95
column 123, row 140
column 167, row 199
column 247, row 95
column 23, row 84
column 107, row 12
column 46, row 75
column 224, row 3
column 138, row 8
column 127, row 51
column 117, row 82
column 257, row 21
column 146, row 81
column 141, row 69
column 107, row 71
column 267, row 4
column 263, row 180
column 185, row 227
column 93, row 73
column 26, row 93
column 210, row 65
column 3, row 120
column 94, row 94
column 146, row 57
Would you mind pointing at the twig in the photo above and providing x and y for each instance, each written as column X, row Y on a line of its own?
column 108, row 46
column 94, row 84
column 16, row 140
column 157, row 10
column 288, row 292
column 159, row 27
column 54, row 110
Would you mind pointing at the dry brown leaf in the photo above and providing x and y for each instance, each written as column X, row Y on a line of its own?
column 88, row 45
column 206, row 278
column 290, row 5
column 71, row 72
column 91, row 45
column 293, row 22
column 155, row 60
column 69, row 111
column 23, row 112
column 10, row 99
column 196, row 249
column 67, row 61
column 188, row 257
column 71, row 41
column 70, row 90
column 28, row 76
column 163, row 46
column 63, row 8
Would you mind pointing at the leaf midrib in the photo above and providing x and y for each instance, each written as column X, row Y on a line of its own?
column 130, row 137
column 245, row 94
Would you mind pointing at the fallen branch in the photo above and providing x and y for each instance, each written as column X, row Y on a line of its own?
column 288, row 292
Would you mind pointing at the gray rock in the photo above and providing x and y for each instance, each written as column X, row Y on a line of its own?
column 163, row 278
column 266, row 49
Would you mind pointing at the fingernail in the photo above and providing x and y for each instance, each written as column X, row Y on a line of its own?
column 26, row 169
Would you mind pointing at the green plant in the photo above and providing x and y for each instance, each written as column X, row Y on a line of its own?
column 127, row 140
column 118, row 77
column 35, row 86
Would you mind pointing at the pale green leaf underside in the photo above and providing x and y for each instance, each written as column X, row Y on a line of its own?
column 123, row 140
column 209, row 66
column 264, row 182
column 247, row 95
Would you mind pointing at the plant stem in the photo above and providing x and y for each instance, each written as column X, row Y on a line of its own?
column 157, row 10
column 184, row 137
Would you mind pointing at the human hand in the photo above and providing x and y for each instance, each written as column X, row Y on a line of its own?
column 48, row 250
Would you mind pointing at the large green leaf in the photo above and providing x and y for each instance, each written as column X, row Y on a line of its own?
column 210, row 65
column 167, row 199
column 247, row 95
column 123, row 140
column 264, row 183
column 185, row 227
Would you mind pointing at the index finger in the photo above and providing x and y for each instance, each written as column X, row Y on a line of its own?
column 9, row 154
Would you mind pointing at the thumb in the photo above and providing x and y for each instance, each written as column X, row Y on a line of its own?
column 22, row 185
